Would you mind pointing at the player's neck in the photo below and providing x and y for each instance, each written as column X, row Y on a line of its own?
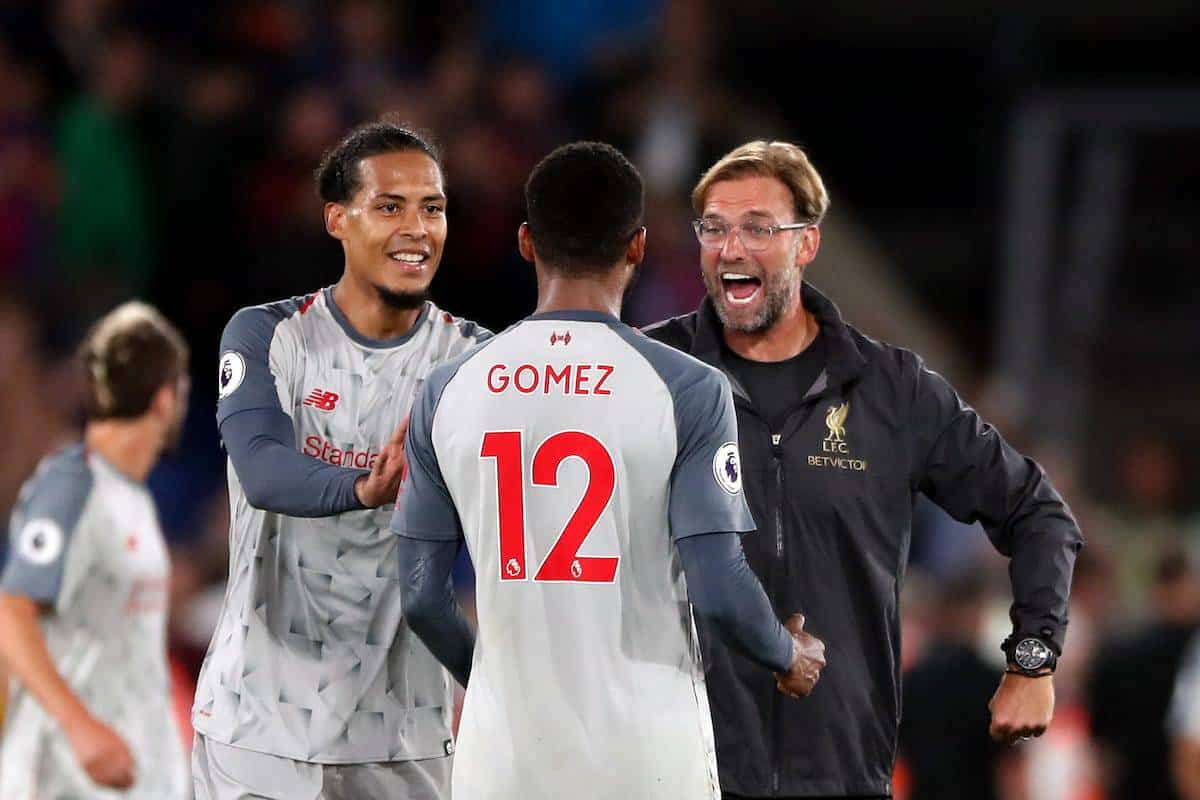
column 132, row 446
column 787, row 338
column 557, row 293
column 369, row 314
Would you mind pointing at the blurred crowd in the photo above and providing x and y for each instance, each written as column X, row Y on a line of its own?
column 166, row 151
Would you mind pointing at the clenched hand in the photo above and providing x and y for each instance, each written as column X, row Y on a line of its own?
column 808, row 659
column 102, row 753
column 1022, row 707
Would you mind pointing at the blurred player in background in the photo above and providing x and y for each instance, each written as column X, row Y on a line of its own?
column 83, row 597
column 594, row 475
column 313, row 686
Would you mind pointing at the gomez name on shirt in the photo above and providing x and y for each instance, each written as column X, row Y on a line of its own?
column 567, row 379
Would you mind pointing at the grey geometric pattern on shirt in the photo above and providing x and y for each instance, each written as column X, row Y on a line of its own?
column 311, row 659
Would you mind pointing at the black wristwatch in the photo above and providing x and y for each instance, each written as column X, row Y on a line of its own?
column 1029, row 656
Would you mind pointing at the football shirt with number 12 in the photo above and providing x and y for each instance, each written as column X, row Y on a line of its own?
column 570, row 453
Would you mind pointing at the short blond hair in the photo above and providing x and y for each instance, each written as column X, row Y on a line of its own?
column 782, row 160
column 128, row 356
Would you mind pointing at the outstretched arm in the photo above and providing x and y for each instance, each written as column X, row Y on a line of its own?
column 725, row 592
column 260, row 436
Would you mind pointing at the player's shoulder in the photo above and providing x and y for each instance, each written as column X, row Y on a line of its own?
column 679, row 332
column 60, row 486
column 443, row 374
column 679, row 370
column 470, row 333
column 257, row 324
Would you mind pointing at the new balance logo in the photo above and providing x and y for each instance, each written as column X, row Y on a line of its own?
column 565, row 338
column 321, row 399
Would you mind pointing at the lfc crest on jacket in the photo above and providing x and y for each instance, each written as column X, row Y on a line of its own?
column 835, row 448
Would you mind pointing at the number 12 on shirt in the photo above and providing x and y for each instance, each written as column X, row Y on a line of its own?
column 563, row 562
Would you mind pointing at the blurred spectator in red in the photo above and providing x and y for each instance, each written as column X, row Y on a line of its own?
column 1132, row 681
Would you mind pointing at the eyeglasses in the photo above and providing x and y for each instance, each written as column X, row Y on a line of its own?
column 713, row 233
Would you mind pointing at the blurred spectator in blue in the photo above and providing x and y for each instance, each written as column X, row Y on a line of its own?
column 568, row 39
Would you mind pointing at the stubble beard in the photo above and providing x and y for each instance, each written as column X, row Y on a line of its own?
column 779, row 294
column 402, row 301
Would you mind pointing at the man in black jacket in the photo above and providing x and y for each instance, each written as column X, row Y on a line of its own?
column 838, row 432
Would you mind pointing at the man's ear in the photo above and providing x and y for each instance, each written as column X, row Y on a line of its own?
column 335, row 220
column 810, row 243
column 166, row 400
column 636, row 252
column 525, row 242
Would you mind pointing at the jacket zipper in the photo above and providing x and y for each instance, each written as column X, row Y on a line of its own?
column 777, row 463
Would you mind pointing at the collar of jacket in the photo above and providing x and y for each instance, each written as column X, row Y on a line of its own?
column 845, row 361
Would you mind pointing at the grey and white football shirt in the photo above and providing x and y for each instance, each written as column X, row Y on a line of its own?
column 311, row 659
column 85, row 543
column 571, row 452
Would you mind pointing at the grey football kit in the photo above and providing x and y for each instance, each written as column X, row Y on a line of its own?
column 578, row 460
column 85, row 543
column 311, row 660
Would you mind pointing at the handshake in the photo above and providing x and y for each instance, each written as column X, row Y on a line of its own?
column 808, row 659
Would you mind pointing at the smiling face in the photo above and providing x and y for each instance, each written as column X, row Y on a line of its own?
column 393, row 230
column 752, row 290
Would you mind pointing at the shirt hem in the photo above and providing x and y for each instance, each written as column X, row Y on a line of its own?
column 279, row 753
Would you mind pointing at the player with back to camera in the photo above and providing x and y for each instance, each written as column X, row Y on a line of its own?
column 313, row 686
column 594, row 477
column 83, row 597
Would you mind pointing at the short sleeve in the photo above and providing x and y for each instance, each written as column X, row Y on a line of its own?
column 245, row 378
column 42, row 529
column 424, row 508
column 706, row 483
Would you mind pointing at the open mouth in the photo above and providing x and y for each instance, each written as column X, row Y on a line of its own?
column 740, row 288
column 410, row 260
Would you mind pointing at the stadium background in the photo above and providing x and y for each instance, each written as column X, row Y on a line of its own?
column 1013, row 196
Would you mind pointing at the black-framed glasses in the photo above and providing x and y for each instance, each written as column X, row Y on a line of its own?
column 713, row 233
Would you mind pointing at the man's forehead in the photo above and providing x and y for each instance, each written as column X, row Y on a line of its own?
column 752, row 194
column 405, row 173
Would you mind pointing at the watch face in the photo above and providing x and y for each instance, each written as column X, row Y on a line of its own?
column 1031, row 654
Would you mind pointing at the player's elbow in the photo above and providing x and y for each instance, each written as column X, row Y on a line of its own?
column 261, row 495
column 712, row 610
column 422, row 608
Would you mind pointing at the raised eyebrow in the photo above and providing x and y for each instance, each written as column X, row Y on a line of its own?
column 752, row 213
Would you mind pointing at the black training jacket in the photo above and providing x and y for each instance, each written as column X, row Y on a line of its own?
column 833, row 496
